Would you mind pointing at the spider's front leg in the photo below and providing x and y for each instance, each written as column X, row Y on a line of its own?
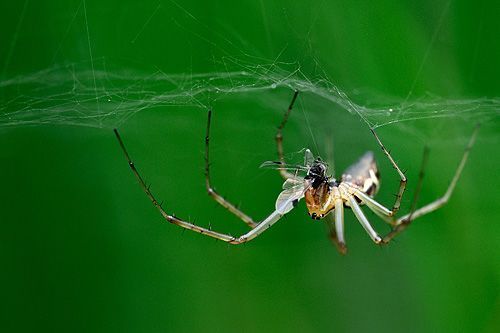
column 279, row 138
column 212, row 192
column 260, row 227
column 336, row 227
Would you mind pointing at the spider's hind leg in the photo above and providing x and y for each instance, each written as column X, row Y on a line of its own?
column 403, row 222
column 403, row 180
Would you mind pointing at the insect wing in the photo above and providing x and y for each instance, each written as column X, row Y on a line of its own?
column 292, row 182
column 289, row 197
column 277, row 165
column 308, row 158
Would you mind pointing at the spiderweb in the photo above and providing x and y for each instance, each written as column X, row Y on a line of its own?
column 64, row 96
column 93, row 94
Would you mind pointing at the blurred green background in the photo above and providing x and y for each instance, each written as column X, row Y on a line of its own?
column 82, row 248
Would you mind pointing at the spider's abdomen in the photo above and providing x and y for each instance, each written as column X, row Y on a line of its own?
column 364, row 174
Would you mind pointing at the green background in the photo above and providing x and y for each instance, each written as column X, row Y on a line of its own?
column 82, row 249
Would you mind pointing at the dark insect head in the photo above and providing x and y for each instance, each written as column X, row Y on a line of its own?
column 317, row 173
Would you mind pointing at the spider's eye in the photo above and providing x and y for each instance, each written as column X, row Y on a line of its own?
column 316, row 216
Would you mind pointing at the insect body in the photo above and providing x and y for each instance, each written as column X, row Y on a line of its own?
column 325, row 197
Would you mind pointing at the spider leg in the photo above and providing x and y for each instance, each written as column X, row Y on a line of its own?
column 373, row 205
column 260, row 228
column 420, row 181
column 402, row 182
column 361, row 217
column 212, row 192
column 336, row 227
column 403, row 222
column 400, row 226
column 381, row 210
column 279, row 137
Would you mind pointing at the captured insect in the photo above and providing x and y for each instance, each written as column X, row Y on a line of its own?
column 325, row 196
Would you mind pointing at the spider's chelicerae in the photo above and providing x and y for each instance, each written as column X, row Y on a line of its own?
column 323, row 193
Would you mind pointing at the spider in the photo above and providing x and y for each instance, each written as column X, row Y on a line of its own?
column 322, row 192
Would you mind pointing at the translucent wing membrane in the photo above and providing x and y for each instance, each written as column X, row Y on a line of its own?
column 294, row 189
column 308, row 158
column 277, row 165
column 292, row 182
